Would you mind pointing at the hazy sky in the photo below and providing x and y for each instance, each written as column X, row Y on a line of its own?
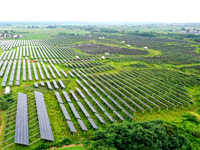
column 101, row 10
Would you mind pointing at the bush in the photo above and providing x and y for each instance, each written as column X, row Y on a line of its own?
column 190, row 117
column 155, row 134
column 66, row 141
column 198, row 111
column 3, row 105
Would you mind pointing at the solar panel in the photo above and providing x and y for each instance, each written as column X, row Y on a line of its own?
column 58, row 97
column 74, row 110
column 71, row 126
column 110, row 117
column 35, row 71
column 83, row 109
column 83, row 127
column 100, row 118
column 29, row 71
column 64, row 73
column 74, row 95
column 42, row 83
column 79, row 91
column 24, row 70
column 49, row 85
column 90, row 105
column 71, row 74
column 119, row 115
column 65, row 113
column 58, row 73
column 3, row 68
column 61, row 84
column 100, row 106
column 66, row 96
column 17, row 83
column 128, row 114
column 43, row 118
column 45, row 70
column 21, row 130
column 40, row 70
column 118, row 105
column 93, row 123
column 52, row 73
column 36, row 84
column 108, row 104
column 55, row 84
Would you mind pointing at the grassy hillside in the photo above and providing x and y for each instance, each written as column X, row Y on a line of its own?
column 161, row 82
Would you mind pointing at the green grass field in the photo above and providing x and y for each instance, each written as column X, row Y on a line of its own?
column 170, row 65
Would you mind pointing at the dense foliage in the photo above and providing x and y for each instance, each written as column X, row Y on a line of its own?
column 155, row 134
column 4, row 101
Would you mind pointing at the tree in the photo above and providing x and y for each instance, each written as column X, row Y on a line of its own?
column 6, row 31
column 146, row 135
column 182, row 29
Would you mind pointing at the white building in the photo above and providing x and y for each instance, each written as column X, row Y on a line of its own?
column 7, row 90
column 103, row 57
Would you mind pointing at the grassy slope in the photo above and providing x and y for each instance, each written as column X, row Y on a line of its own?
column 51, row 102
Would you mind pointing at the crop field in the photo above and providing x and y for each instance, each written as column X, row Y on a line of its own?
column 61, row 86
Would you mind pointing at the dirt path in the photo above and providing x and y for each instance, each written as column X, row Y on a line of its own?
column 1, row 129
column 2, row 125
column 65, row 146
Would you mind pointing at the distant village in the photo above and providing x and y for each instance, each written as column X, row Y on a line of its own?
column 190, row 31
column 8, row 35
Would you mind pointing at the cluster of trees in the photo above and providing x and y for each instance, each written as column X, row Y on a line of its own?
column 145, row 34
column 33, row 26
column 4, row 100
column 51, row 26
column 146, row 135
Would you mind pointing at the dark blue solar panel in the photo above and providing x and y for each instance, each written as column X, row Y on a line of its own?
column 21, row 130
column 65, row 113
column 43, row 118
column 66, row 96
column 74, row 111
column 71, row 126
column 58, row 97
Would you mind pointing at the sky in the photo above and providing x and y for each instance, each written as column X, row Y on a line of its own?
column 179, row 11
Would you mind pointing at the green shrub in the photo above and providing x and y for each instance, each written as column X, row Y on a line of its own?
column 66, row 141
column 198, row 111
column 190, row 117
column 59, row 145
column 3, row 105
column 146, row 135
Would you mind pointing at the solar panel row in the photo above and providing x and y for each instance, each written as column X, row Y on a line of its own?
column 40, row 70
column 21, row 130
column 6, row 74
column 52, row 73
column 43, row 118
column 29, row 71
column 24, row 70
column 61, row 84
column 64, row 73
column 55, row 85
column 35, row 71
column 18, row 73
column 45, row 70
column 12, row 73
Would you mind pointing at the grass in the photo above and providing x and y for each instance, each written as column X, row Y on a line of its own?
column 57, row 120
column 72, row 148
